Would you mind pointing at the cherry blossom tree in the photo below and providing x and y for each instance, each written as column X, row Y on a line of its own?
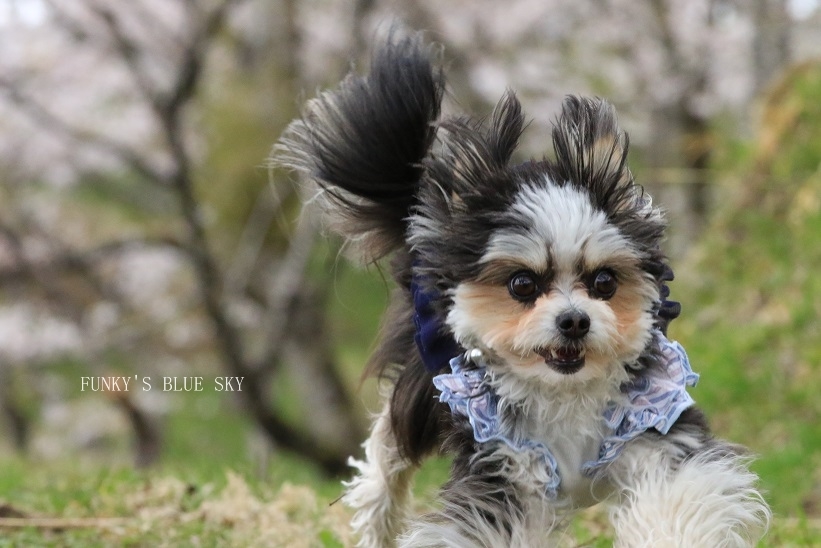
column 107, row 101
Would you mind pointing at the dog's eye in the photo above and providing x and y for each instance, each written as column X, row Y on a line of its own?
column 523, row 286
column 604, row 284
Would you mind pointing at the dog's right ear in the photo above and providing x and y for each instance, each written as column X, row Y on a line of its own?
column 473, row 154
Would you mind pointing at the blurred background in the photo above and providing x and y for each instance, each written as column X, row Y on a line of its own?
column 141, row 232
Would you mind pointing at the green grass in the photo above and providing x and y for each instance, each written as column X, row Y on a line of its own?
column 751, row 292
column 158, row 508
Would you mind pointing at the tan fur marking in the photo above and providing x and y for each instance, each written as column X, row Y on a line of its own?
column 485, row 314
column 497, row 316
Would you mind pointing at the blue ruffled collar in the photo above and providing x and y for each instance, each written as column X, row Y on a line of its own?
column 655, row 399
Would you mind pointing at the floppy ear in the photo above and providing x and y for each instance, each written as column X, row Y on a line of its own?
column 473, row 154
column 591, row 150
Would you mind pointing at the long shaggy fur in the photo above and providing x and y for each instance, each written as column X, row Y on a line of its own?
column 504, row 254
column 364, row 143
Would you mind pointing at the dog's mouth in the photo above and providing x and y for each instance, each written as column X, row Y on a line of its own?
column 563, row 359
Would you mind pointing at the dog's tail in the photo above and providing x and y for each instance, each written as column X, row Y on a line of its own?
column 363, row 144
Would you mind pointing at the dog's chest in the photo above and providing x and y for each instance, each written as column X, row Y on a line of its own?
column 573, row 441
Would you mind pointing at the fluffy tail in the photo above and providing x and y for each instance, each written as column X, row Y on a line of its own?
column 363, row 143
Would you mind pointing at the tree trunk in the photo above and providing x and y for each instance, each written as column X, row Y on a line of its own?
column 771, row 41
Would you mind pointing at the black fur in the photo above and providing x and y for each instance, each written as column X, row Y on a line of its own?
column 364, row 143
column 478, row 485
column 431, row 192
column 591, row 153
column 467, row 188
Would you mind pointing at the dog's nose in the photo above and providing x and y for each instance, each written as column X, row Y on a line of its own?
column 573, row 324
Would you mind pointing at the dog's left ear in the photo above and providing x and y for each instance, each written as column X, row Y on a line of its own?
column 591, row 151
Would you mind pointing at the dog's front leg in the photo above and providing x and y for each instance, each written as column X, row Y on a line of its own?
column 380, row 492
column 475, row 514
column 486, row 508
column 707, row 498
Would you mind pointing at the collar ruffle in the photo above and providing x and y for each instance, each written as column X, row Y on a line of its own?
column 654, row 399
column 468, row 393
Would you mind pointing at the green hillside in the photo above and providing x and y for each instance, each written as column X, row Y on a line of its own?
column 752, row 296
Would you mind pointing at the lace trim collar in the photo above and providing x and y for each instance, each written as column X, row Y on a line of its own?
column 655, row 399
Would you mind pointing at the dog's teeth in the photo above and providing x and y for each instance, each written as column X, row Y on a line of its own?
column 553, row 354
column 582, row 352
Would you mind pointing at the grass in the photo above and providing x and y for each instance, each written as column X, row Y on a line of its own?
column 161, row 509
column 231, row 509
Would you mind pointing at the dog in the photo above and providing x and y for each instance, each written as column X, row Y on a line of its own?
column 526, row 334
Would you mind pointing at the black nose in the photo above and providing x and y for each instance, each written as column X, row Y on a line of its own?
column 573, row 324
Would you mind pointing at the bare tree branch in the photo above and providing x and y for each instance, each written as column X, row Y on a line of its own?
column 128, row 51
column 46, row 118
column 266, row 208
column 66, row 21
column 205, row 264
column 75, row 260
column 285, row 288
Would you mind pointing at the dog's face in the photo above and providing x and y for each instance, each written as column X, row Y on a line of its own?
column 560, row 291
column 548, row 267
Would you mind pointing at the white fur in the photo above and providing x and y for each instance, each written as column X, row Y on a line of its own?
column 562, row 226
column 380, row 493
column 531, row 531
column 560, row 232
column 567, row 418
column 708, row 500
column 460, row 524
